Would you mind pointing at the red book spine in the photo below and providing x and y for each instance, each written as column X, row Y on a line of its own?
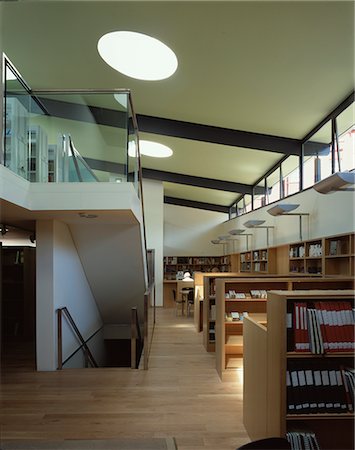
column 321, row 320
column 300, row 327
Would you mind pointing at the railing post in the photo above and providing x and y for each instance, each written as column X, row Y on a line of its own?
column 86, row 356
column 133, row 338
column 145, row 340
column 60, row 349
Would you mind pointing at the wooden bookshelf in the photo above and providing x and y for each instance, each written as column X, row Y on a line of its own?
column 225, row 328
column 245, row 261
column 267, row 374
column 339, row 255
column 256, row 305
column 327, row 256
column 175, row 264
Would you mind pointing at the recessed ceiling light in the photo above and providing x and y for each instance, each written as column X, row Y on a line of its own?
column 149, row 148
column 137, row 55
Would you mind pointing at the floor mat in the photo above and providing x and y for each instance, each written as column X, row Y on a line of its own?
column 110, row 444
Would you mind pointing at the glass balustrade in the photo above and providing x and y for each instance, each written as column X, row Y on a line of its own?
column 69, row 136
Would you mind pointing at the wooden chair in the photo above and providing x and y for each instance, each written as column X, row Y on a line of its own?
column 190, row 301
column 178, row 302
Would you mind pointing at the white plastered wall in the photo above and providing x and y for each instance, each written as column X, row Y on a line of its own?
column 61, row 281
column 328, row 215
column 189, row 231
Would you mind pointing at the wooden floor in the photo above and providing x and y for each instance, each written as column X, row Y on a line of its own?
column 179, row 396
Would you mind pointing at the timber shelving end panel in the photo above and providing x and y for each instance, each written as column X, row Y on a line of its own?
column 333, row 430
column 254, row 378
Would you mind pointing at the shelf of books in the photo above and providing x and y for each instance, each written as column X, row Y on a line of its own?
column 175, row 266
column 339, row 255
column 237, row 298
column 310, row 365
column 329, row 256
column 261, row 261
column 208, row 291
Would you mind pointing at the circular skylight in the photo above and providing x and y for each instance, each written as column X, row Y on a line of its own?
column 149, row 148
column 137, row 55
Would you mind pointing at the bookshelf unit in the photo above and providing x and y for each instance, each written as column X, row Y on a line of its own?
column 175, row 264
column 251, row 305
column 334, row 430
column 339, row 255
column 297, row 283
column 245, row 261
column 229, row 333
column 260, row 261
column 209, row 300
column 328, row 256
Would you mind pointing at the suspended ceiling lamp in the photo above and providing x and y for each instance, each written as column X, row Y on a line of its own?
column 236, row 232
column 137, row 55
column 283, row 209
column 340, row 181
column 259, row 224
column 240, row 232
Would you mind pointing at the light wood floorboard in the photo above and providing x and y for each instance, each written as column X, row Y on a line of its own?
column 179, row 396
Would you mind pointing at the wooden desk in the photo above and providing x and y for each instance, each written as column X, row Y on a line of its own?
column 168, row 298
column 178, row 285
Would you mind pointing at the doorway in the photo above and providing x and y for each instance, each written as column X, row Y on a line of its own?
column 18, row 308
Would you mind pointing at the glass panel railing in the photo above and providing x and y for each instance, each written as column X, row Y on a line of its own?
column 69, row 136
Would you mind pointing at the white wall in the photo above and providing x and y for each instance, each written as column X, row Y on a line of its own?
column 61, row 281
column 189, row 231
column 153, row 196
column 328, row 215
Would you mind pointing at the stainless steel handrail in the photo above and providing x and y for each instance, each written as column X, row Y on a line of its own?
column 147, row 339
column 60, row 312
column 136, row 337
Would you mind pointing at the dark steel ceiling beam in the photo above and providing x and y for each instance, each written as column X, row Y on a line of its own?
column 193, row 204
column 218, row 135
column 190, row 180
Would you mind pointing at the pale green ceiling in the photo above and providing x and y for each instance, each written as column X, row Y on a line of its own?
column 267, row 67
column 199, row 194
column 203, row 159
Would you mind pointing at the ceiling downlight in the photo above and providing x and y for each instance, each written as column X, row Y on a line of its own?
column 137, row 55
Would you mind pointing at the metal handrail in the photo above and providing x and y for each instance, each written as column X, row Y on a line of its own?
column 76, row 155
column 69, row 317
column 146, row 344
column 135, row 336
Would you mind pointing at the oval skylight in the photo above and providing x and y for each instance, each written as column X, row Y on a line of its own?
column 137, row 55
column 149, row 148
